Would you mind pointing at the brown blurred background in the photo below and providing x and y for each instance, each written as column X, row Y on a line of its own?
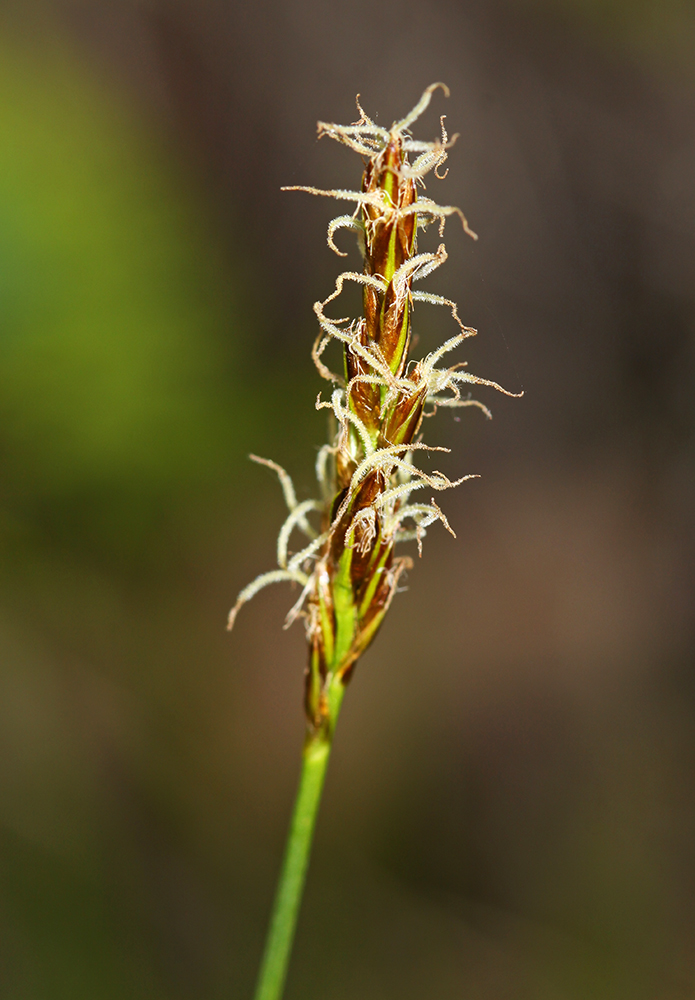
column 509, row 812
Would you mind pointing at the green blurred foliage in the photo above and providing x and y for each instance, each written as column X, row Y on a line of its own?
column 118, row 341
column 124, row 410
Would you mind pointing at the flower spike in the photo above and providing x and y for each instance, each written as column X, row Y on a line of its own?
column 349, row 570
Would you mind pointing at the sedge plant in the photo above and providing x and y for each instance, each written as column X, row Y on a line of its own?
column 370, row 484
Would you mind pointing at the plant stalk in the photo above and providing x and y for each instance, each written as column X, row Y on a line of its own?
column 288, row 897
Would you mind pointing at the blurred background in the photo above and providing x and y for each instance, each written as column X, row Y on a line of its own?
column 509, row 811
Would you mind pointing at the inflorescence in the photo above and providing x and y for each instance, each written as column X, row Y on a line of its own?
column 348, row 570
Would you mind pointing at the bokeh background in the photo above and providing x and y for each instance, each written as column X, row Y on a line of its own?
column 510, row 810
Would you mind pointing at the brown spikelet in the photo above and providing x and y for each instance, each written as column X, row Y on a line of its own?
column 348, row 571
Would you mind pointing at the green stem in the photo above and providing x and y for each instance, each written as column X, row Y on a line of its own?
column 271, row 978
